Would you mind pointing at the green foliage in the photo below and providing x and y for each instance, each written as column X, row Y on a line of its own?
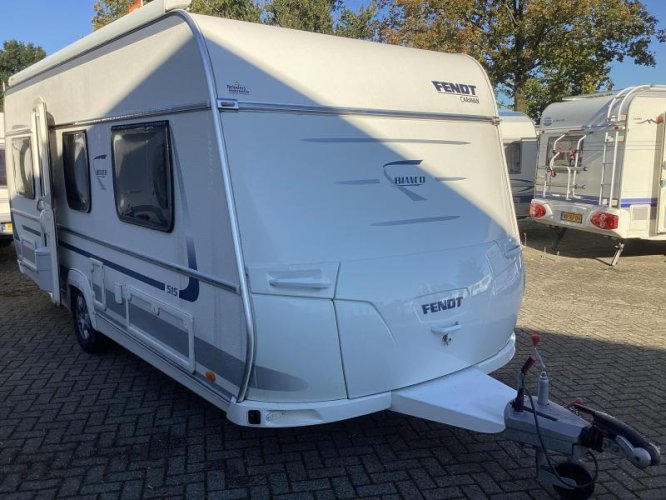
column 535, row 51
column 15, row 56
column 243, row 10
column 107, row 11
column 359, row 24
column 321, row 16
column 307, row 15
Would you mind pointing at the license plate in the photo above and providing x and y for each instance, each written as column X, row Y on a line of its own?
column 572, row 217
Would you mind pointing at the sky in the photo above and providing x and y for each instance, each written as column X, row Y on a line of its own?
column 55, row 24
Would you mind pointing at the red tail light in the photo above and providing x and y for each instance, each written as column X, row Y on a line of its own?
column 604, row 220
column 537, row 210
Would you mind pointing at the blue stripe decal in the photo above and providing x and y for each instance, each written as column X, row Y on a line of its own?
column 191, row 292
column 149, row 281
column 31, row 230
column 627, row 202
column 594, row 200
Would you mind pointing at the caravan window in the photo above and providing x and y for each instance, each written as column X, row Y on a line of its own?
column 142, row 175
column 77, row 172
column 566, row 147
column 24, row 181
column 512, row 153
column 3, row 171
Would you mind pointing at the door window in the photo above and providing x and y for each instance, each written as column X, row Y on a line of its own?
column 512, row 152
column 77, row 172
column 3, row 169
column 24, row 181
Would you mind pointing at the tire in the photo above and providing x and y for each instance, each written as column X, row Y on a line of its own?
column 580, row 475
column 90, row 340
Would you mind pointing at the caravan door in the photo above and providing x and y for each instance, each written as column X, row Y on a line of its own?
column 46, row 256
column 661, row 188
column 32, row 203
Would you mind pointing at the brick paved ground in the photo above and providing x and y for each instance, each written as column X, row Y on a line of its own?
column 72, row 424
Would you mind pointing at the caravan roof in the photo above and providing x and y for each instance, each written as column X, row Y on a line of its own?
column 247, row 59
column 591, row 111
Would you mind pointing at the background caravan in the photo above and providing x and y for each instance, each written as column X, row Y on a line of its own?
column 520, row 148
column 292, row 248
column 5, row 216
column 602, row 165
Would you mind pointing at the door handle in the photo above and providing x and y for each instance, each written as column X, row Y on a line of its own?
column 513, row 251
column 446, row 330
column 301, row 282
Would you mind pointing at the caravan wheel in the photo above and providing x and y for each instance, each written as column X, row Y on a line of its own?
column 89, row 339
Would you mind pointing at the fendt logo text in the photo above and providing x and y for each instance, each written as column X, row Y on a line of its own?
column 441, row 305
column 465, row 91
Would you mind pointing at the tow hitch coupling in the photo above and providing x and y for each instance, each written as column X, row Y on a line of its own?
column 552, row 428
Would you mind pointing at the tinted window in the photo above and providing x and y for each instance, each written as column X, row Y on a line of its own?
column 565, row 151
column 142, row 175
column 24, row 181
column 3, row 168
column 77, row 172
column 512, row 152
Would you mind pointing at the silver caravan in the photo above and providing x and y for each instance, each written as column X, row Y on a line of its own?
column 5, row 216
column 602, row 165
column 520, row 148
column 297, row 227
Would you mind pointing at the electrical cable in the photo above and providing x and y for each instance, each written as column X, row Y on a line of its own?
column 566, row 484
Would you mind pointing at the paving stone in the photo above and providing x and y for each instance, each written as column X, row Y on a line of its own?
column 111, row 426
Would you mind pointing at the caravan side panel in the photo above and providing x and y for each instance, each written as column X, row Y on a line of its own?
column 172, row 292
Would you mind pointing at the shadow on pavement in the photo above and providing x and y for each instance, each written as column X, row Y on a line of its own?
column 581, row 244
column 76, row 424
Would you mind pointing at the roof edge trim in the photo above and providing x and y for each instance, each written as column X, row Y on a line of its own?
column 116, row 29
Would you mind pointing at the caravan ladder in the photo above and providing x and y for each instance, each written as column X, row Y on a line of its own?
column 616, row 124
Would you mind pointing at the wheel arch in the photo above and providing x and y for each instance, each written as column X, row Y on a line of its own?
column 76, row 280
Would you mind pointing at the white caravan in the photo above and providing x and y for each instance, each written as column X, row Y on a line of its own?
column 520, row 148
column 299, row 228
column 602, row 165
column 5, row 216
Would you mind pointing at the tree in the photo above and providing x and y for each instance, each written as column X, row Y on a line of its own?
column 322, row 16
column 306, row 15
column 535, row 51
column 15, row 56
column 107, row 11
column 359, row 24
column 243, row 10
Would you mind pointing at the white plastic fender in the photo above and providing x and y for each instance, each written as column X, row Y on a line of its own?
column 81, row 283
column 469, row 399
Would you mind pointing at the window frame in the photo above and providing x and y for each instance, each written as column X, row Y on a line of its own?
column 64, row 169
column 3, row 165
column 16, row 168
column 518, row 146
column 169, row 175
column 572, row 138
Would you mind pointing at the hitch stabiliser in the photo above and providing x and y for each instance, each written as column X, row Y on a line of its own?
column 549, row 427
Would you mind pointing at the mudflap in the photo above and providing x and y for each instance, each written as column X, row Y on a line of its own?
column 469, row 399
